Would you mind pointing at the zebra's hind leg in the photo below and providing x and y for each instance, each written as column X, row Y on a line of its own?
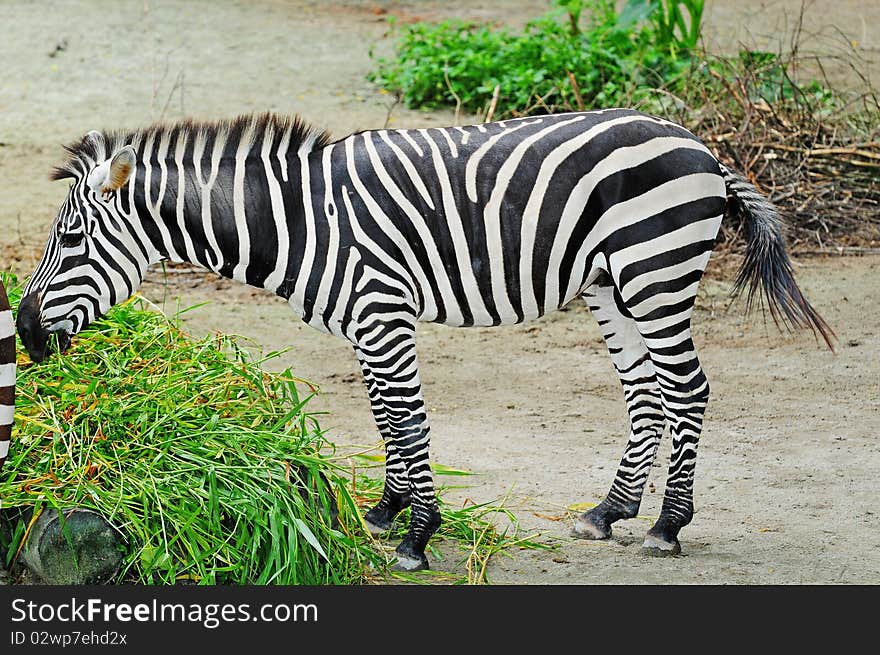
column 643, row 403
column 685, row 392
column 662, row 311
column 395, row 495
column 389, row 356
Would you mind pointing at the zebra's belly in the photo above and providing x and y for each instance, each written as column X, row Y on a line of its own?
column 537, row 276
column 513, row 308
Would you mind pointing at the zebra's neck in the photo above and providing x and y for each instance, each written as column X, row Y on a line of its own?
column 234, row 204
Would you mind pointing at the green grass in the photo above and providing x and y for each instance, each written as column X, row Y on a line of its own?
column 214, row 471
column 211, row 468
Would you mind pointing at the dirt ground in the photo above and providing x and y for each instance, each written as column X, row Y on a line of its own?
column 786, row 485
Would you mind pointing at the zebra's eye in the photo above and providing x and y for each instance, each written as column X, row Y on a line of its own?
column 71, row 239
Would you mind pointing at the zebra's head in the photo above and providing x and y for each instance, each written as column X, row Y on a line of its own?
column 93, row 259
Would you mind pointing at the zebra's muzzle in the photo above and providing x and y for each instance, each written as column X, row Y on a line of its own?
column 34, row 335
column 63, row 339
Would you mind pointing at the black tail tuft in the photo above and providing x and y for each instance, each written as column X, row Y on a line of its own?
column 766, row 272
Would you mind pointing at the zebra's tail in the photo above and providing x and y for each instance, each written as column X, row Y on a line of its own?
column 7, row 374
column 766, row 265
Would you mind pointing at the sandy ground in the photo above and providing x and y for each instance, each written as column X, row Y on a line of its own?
column 787, row 478
column 786, row 486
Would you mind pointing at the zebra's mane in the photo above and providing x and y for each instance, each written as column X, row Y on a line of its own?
column 96, row 147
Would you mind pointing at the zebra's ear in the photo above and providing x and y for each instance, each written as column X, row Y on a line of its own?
column 121, row 167
column 113, row 174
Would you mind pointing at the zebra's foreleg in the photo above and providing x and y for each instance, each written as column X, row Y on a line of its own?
column 644, row 406
column 389, row 354
column 395, row 495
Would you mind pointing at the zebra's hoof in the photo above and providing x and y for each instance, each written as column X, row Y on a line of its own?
column 587, row 528
column 408, row 564
column 378, row 521
column 375, row 529
column 409, row 558
column 654, row 546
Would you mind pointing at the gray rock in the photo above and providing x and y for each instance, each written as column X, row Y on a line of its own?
column 76, row 547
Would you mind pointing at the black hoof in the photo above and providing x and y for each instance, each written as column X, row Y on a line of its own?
column 656, row 546
column 376, row 523
column 381, row 518
column 408, row 559
column 596, row 523
column 406, row 564
column 589, row 526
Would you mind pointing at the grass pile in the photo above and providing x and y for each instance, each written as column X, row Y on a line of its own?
column 213, row 470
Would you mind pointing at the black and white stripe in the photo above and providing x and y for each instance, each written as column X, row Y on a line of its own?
column 7, row 375
column 482, row 225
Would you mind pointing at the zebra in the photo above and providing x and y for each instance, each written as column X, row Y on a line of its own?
column 481, row 225
column 7, row 374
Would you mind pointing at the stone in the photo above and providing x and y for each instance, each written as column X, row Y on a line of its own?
column 77, row 547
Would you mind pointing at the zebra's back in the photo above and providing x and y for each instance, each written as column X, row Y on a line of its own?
column 7, row 374
column 500, row 223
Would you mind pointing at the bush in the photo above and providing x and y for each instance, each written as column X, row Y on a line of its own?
column 554, row 65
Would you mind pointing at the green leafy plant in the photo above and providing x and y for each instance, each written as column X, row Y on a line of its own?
column 583, row 55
